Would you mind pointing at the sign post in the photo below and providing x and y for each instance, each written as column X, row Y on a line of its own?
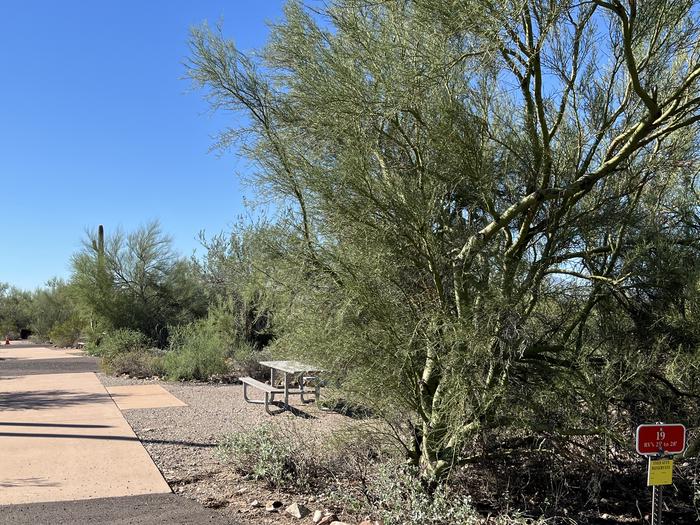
column 657, row 501
column 659, row 442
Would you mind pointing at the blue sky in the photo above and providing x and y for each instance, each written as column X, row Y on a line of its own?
column 98, row 126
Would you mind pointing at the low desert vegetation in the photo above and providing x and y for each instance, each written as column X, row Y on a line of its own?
column 363, row 474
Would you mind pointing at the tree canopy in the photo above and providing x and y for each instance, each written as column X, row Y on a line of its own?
column 492, row 208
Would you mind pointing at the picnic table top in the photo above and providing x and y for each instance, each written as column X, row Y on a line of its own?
column 291, row 367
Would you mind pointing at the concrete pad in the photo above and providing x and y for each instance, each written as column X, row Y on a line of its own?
column 62, row 438
column 143, row 396
column 37, row 352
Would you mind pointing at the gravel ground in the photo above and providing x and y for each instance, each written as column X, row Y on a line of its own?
column 182, row 442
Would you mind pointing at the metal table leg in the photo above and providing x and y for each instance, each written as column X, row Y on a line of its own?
column 301, row 380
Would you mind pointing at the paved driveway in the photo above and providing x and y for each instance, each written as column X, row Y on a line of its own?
column 67, row 453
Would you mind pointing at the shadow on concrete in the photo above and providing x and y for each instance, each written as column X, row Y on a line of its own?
column 107, row 438
column 53, row 425
column 38, row 399
column 27, row 482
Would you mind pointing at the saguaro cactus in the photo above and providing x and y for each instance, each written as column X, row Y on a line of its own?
column 99, row 246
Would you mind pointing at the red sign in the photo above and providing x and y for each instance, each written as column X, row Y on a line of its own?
column 660, row 438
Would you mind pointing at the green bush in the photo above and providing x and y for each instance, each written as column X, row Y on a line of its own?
column 118, row 342
column 197, row 351
column 290, row 457
column 246, row 361
column 398, row 497
column 127, row 351
column 67, row 333
column 262, row 453
column 137, row 363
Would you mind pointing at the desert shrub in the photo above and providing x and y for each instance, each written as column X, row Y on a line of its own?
column 68, row 332
column 118, row 342
column 291, row 457
column 361, row 474
column 127, row 351
column 263, row 453
column 197, row 351
column 246, row 361
column 136, row 363
column 397, row 495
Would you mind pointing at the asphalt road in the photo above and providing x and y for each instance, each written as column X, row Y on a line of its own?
column 149, row 509
column 154, row 509
column 20, row 367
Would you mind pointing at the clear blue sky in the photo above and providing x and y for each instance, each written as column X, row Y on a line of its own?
column 97, row 126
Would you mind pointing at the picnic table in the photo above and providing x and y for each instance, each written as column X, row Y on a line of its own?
column 302, row 372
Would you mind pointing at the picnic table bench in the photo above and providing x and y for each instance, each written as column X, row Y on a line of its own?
column 293, row 368
column 269, row 391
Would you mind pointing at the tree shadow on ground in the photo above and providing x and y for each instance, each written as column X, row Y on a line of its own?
column 50, row 425
column 40, row 399
column 107, row 437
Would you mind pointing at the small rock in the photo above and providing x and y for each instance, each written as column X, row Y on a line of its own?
column 318, row 516
column 296, row 510
column 273, row 506
column 255, row 503
column 310, row 499
column 339, row 523
column 327, row 520
column 214, row 503
column 148, row 430
column 242, row 490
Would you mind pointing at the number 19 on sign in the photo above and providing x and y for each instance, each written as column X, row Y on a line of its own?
column 660, row 442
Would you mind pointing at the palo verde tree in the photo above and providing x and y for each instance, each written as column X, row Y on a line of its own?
column 15, row 311
column 493, row 205
column 137, row 281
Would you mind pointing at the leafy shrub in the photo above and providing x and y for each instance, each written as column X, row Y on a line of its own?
column 397, row 495
column 197, row 351
column 117, row 342
column 246, row 361
column 67, row 333
column 290, row 456
column 263, row 453
column 137, row 363
column 126, row 351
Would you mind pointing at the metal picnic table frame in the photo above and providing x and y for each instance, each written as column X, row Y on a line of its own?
column 303, row 371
